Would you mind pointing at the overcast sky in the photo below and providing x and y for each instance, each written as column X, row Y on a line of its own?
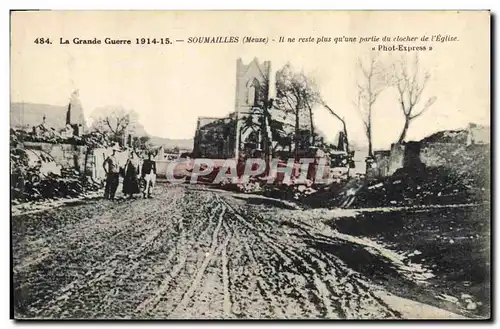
column 170, row 86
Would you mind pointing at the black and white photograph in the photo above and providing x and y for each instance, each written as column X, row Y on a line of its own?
column 241, row 165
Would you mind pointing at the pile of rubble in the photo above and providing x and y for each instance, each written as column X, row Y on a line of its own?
column 29, row 183
column 406, row 187
column 298, row 192
column 30, row 186
column 429, row 186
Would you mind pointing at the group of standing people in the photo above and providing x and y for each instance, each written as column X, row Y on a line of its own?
column 134, row 175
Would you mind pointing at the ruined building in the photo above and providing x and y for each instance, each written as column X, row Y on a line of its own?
column 463, row 151
column 75, row 121
column 218, row 137
column 241, row 131
column 67, row 119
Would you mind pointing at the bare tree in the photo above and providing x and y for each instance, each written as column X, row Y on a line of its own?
column 342, row 120
column 372, row 81
column 410, row 83
column 311, row 96
column 115, row 121
column 296, row 93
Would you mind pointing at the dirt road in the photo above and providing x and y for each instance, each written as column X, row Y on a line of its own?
column 192, row 252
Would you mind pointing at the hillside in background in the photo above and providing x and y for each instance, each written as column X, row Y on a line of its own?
column 31, row 114
column 24, row 115
column 169, row 143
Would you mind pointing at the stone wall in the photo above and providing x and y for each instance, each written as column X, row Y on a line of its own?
column 252, row 81
column 396, row 159
column 67, row 155
column 461, row 158
column 215, row 140
column 380, row 166
column 441, row 154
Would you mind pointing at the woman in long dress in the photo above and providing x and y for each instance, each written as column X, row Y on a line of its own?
column 130, row 180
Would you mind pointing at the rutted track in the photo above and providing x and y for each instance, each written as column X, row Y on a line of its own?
column 188, row 253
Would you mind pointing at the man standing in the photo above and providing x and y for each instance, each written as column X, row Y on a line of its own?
column 148, row 173
column 111, row 169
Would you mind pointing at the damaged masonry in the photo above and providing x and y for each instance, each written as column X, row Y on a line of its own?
column 290, row 198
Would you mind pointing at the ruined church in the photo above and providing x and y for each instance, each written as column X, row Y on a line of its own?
column 240, row 131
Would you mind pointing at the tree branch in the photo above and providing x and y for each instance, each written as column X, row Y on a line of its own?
column 428, row 104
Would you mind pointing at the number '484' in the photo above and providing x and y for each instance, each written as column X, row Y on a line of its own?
column 42, row 41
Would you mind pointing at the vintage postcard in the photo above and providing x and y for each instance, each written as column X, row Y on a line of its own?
column 250, row 164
